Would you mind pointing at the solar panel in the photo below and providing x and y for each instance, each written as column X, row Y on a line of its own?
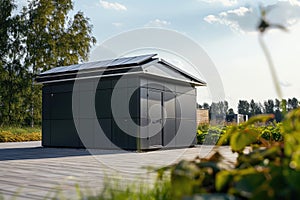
column 101, row 64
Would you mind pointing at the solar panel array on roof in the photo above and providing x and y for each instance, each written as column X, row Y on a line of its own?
column 100, row 64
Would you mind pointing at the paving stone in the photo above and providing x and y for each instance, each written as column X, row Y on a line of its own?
column 30, row 171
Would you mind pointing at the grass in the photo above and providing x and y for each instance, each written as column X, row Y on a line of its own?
column 114, row 189
column 20, row 134
column 160, row 191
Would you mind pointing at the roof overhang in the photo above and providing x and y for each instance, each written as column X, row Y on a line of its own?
column 119, row 67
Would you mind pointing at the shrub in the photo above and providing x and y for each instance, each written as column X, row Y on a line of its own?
column 17, row 134
column 212, row 134
column 271, row 170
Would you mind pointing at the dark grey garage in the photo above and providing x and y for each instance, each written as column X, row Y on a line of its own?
column 134, row 103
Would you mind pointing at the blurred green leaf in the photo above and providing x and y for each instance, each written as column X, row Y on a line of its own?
column 239, row 140
column 223, row 180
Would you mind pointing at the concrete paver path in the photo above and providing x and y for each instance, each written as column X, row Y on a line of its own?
column 29, row 171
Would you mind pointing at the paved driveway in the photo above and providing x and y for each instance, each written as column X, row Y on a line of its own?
column 30, row 171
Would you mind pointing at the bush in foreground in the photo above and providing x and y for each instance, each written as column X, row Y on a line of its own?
column 270, row 170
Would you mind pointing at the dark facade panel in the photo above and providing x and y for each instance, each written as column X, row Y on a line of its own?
column 155, row 118
column 62, row 88
column 64, row 134
column 87, row 85
column 133, row 95
column 103, row 83
column 185, row 106
column 86, row 108
column 169, row 104
column 46, row 133
column 144, row 103
column 119, row 83
column 119, row 103
column 46, row 106
column 46, row 89
column 133, row 82
column 144, row 134
column 120, row 136
column 86, row 133
column 103, row 133
column 103, row 103
column 184, row 136
column 169, row 132
column 61, row 105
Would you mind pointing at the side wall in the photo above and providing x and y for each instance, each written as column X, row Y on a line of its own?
column 100, row 126
column 59, row 129
column 178, row 128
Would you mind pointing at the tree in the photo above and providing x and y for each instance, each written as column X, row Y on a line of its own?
column 230, row 111
column 284, row 106
column 294, row 103
column 199, row 106
column 13, row 73
column 6, row 7
column 219, row 108
column 278, row 110
column 258, row 109
column 53, row 40
column 205, row 106
column 252, row 108
column 218, row 111
column 289, row 105
column 230, row 115
column 243, row 107
column 225, row 108
column 269, row 106
column 277, row 105
column 41, row 37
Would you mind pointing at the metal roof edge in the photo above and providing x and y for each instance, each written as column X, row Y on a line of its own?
column 201, row 82
column 148, row 58
column 148, row 74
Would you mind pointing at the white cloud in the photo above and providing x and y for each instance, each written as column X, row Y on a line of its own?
column 117, row 24
column 294, row 2
column 223, row 2
column 211, row 19
column 241, row 11
column 157, row 23
column 245, row 20
column 241, row 19
column 112, row 6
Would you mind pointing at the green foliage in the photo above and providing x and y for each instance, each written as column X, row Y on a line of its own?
column 44, row 35
column 13, row 74
column 209, row 134
column 225, row 135
column 17, row 134
column 270, row 169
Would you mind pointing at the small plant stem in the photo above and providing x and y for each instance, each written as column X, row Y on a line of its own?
column 271, row 66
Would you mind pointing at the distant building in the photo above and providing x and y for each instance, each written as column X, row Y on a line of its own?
column 202, row 116
column 236, row 118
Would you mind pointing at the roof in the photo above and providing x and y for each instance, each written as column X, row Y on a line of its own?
column 147, row 65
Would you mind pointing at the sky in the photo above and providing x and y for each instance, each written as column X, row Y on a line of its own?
column 225, row 29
